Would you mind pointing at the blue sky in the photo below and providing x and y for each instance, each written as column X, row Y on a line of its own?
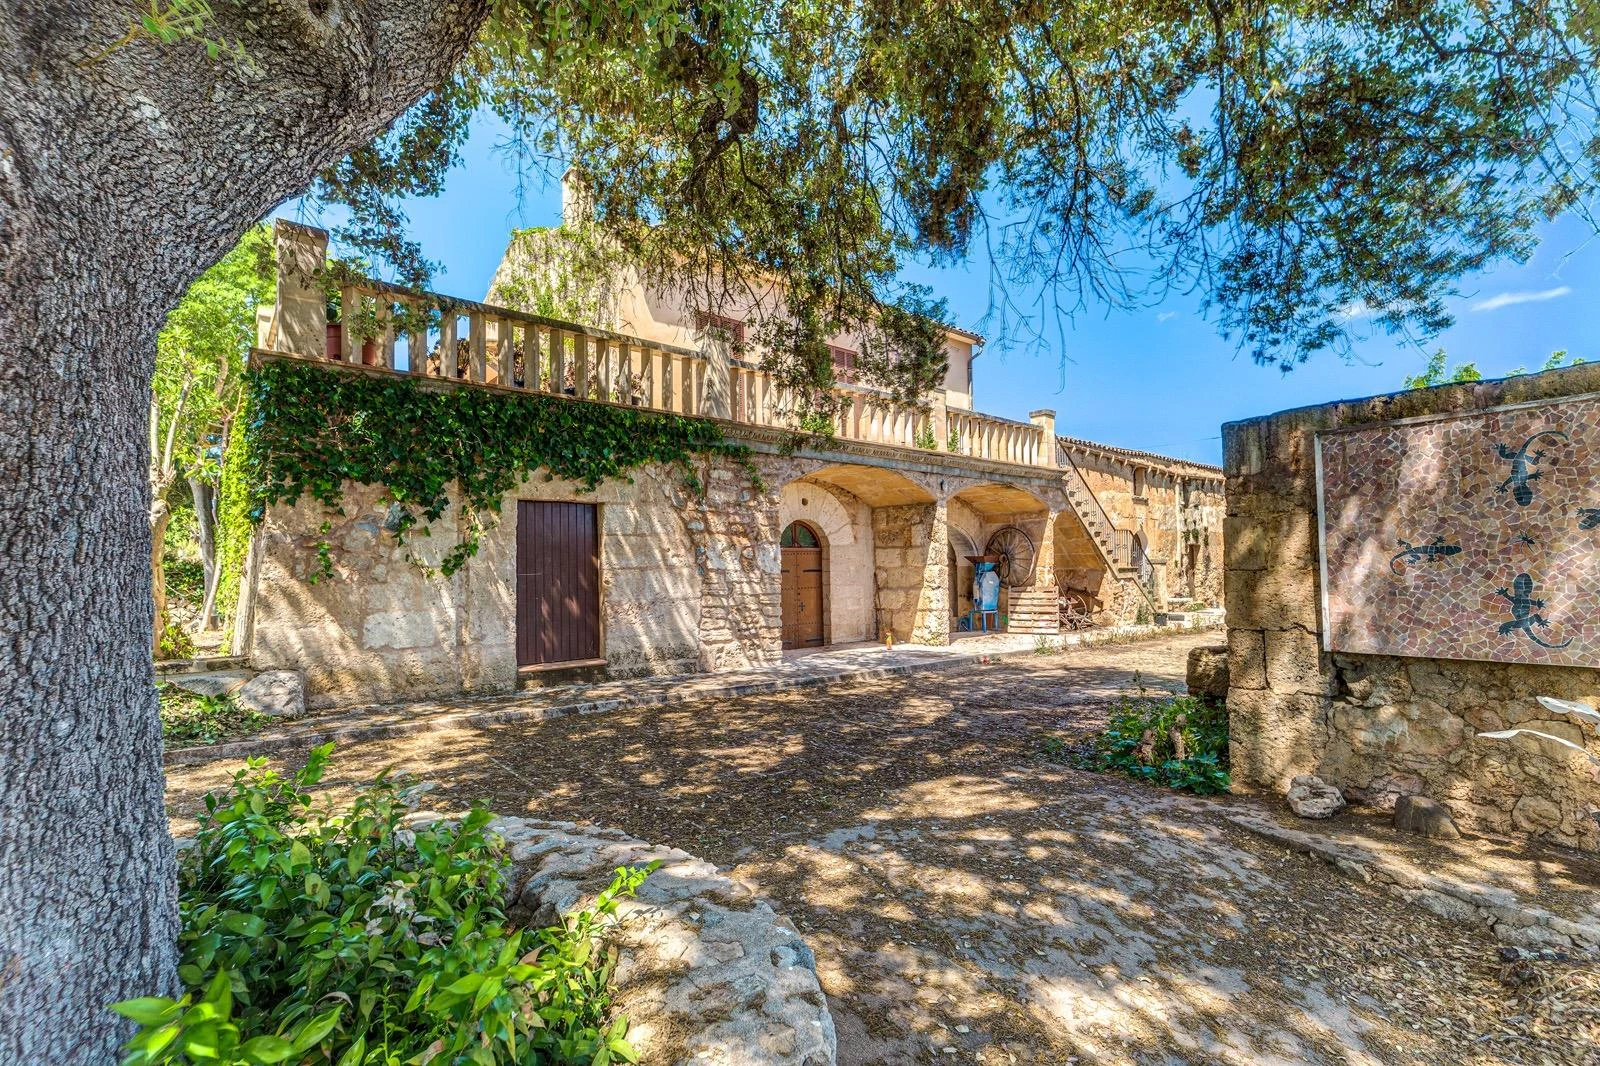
column 1160, row 378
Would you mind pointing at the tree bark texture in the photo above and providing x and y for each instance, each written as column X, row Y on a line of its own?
column 120, row 181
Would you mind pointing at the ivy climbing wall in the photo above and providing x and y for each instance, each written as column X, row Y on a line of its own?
column 1465, row 536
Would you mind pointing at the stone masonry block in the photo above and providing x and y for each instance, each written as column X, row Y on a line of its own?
column 1247, row 660
column 1294, row 662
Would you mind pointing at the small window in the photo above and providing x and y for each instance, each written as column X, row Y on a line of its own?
column 844, row 363
column 1138, row 482
column 704, row 320
column 799, row 535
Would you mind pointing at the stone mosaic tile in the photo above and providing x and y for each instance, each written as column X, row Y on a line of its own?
column 1470, row 537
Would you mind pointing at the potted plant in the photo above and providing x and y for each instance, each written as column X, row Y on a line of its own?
column 335, row 334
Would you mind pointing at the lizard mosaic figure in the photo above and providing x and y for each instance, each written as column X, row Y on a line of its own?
column 1436, row 552
column 1521, row 478
column 1523, row 613
column 1589, row 518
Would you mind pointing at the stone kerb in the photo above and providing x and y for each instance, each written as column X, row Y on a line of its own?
column 708, row 973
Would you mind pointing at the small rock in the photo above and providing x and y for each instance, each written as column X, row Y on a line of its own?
column 279, row 693
column 1208, row 672
column 1419, row 814
column 1310, row 796
column 214, row 683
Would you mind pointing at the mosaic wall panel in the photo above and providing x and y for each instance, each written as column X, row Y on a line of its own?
column 1469, row 537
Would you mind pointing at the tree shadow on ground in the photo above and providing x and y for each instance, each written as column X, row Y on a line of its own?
column 962, row 893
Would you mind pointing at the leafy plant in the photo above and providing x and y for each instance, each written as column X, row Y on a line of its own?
column 354, row 939
column 193, row 718
column 952, row 443
column 310, row 429
column 925, row 439
column 1140, row 743
column 174, row 641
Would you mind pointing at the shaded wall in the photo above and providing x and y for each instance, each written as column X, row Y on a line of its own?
column 1380, row 726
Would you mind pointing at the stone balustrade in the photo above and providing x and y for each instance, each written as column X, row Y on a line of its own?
column 429, row 335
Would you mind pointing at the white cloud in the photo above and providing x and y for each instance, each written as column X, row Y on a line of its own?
column 1165, row 315
column 1511, row 299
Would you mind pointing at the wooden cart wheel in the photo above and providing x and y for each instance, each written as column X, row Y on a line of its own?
column 1015, row 549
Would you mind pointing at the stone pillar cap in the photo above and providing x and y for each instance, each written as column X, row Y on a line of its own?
column 1043, row 411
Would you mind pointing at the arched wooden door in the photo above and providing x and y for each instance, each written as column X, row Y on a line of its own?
column 803, row 581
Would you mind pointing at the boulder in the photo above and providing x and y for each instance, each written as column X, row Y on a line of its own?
column 1208, row 672
column 279, row 693
column 212, row 682
column 1419, row 814
column 1310, row 796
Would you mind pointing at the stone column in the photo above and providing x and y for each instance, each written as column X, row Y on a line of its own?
column 299, row 322
column 1045, row 419
column 932, row 622
column 718, row 352
column 939, row 419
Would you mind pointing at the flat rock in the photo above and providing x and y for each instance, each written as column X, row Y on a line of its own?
column 1419, row 814
column 213, row 682
column 1310, row 796
column 279, row 693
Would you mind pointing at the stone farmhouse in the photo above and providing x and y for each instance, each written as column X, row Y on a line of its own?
column 865, row 535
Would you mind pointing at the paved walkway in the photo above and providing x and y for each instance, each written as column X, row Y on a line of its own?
column 799, row 669
column 970, row 901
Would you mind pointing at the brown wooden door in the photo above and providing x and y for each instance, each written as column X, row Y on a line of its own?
column 558, row 582
column 802, row 597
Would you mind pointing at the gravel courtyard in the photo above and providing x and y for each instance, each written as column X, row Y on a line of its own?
column 970, row 901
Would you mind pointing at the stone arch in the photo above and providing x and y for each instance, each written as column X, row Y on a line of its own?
column 844, row 525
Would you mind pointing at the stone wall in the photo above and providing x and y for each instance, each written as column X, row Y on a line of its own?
column 1378, row 726
column 689, row 582
column 913, row 595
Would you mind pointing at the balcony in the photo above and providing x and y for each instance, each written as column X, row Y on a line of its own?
column 387, row 329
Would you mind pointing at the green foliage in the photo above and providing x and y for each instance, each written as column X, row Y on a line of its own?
column 174, row 21
column 1141, row 616
column 925, row 439
column 186, row 578
column 952, row 443
column 310, row 429
column 352, row 939
column 235, row 505
column 1204, row 729
column 189, row 718
column 1436, row 373
column 174, row 642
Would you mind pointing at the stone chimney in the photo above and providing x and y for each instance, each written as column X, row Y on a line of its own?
column 577, row 204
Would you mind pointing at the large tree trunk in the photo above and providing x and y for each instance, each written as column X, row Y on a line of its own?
column 120, row 181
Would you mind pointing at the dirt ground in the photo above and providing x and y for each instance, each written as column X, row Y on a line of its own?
column 969, row 900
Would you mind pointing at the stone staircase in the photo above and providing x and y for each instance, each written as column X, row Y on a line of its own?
column 1098, row 523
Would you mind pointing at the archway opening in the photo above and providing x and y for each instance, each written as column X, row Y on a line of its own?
column 805, row 583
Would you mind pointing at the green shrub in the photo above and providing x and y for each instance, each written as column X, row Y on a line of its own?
column 175, row 642
column 348, row 939
column 1204, row 728
column 187, row 716
column 186, row 579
